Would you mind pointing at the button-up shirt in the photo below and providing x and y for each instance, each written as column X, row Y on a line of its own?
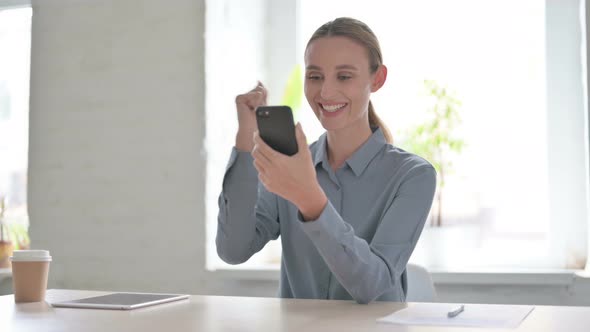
column 358, row 248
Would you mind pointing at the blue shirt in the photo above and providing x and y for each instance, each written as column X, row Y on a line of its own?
column 358, row 248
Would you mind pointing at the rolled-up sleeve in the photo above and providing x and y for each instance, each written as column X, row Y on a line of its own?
column 369, row 269
column 248, row 216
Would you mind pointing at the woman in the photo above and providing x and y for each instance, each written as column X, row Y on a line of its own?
column 349, row 209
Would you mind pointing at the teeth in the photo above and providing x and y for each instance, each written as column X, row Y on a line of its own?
column 332, row 108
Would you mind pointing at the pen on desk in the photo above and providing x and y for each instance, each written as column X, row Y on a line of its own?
column 456, row 312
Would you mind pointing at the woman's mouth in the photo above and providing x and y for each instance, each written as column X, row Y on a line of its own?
column 332, row 109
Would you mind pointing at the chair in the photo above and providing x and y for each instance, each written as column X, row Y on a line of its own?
column 420, row 285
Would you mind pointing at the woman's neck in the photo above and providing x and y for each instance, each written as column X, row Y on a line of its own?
column 343, row 143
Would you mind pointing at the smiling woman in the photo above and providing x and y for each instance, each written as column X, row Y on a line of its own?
column 351, row 207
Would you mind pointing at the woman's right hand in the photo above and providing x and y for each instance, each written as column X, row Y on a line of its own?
column 246, row 105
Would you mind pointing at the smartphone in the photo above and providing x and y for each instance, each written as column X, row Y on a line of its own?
column 277, row 129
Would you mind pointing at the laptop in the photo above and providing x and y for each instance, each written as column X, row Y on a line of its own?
column 120, row 301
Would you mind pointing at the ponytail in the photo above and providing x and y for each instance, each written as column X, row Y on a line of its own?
column 375, row 121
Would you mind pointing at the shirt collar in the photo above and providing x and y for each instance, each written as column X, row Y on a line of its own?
column 360, row 159
column 321, row 154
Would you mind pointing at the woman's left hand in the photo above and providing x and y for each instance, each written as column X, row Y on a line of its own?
column 291, row 177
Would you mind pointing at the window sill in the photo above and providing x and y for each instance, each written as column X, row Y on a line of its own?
column 5, row 274
column 508, row 277
column 12, row 4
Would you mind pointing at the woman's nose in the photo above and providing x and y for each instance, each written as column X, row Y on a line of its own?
column 328, row 90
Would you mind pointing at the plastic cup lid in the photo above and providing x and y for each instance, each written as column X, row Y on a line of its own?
column 30, row 256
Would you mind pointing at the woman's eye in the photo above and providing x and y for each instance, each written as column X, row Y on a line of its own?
column 313, row 77
column 344, row 77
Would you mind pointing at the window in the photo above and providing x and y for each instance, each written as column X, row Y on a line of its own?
column 507, row 198
column 15, row 41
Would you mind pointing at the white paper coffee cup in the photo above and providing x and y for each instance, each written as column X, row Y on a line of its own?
column 30, row 271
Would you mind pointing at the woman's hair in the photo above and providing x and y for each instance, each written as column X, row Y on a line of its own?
column 358, row 32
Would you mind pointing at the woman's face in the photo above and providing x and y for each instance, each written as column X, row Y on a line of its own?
column 338, row 82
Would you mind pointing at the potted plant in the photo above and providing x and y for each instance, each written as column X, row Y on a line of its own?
column 6, row 246
column 435, row 139
column 13, row 236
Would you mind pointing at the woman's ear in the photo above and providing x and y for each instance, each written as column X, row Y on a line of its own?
column 379, row 78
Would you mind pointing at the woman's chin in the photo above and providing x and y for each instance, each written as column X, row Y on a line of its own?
column 330, row 125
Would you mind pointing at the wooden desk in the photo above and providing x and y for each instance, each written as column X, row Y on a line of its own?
column 219, row 313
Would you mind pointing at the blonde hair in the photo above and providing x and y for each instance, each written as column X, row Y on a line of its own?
column 362, row 34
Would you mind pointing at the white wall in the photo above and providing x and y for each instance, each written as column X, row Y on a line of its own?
column 116, row 174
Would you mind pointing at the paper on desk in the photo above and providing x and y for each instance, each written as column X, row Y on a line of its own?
column 474, row 315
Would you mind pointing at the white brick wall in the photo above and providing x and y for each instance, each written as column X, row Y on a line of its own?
column 116, row 174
